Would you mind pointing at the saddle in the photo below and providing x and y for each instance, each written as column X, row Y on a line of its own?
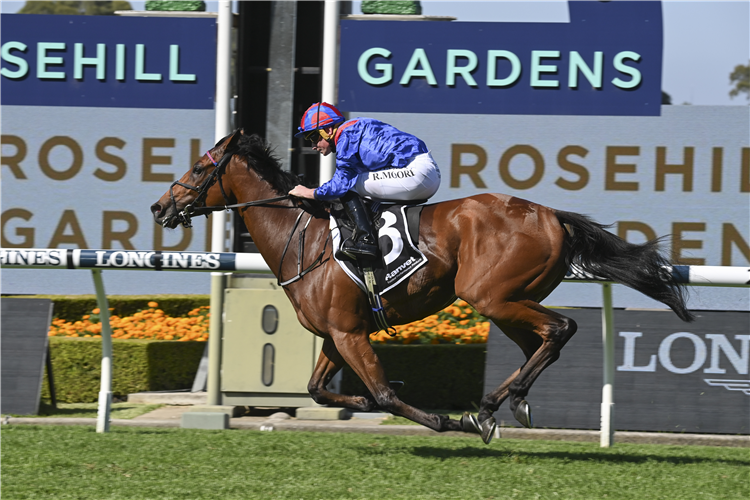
column 397, row 228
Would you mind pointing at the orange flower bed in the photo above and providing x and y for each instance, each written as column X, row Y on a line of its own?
column 148, row 324
column 456, row 324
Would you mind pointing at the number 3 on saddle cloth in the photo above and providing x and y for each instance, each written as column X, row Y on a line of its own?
column 398, row 235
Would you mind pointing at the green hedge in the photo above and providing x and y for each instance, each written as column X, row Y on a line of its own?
column 137, row 366
column 404, row 7
column 74, row 307
column 442, row 376
column 176, row 5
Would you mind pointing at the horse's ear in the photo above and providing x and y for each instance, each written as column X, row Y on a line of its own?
column 232, row 144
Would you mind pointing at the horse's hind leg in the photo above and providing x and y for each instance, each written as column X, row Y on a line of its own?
column 329, row 363
column 529, row 342
column 552, row 329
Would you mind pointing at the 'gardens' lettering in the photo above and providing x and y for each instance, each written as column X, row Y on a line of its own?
column 502, row 68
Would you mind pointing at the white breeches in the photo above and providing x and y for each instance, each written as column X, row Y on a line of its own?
column 419, row 180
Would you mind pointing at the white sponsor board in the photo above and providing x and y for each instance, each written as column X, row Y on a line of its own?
column 685, row 173
column 77, row 177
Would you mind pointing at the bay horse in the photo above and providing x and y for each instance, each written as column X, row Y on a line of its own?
column 501, row 254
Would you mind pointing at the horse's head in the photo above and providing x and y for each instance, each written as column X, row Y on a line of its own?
column 200, row 186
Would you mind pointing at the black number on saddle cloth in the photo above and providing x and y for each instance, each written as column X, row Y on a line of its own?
column 398, row 230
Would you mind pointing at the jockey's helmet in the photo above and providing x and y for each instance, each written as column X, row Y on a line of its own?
column 318, row 116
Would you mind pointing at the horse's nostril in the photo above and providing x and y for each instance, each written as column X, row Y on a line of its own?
column 156, row 209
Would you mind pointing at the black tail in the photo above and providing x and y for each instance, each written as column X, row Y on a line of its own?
column 639, row 267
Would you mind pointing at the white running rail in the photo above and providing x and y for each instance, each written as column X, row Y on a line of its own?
column 96, row 260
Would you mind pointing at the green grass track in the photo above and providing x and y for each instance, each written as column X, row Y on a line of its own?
column 60, row 462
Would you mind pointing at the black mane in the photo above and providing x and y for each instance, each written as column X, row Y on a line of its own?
column 260, row 158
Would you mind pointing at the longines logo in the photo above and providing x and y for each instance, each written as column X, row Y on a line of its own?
column 713, row 356
column 732, row 385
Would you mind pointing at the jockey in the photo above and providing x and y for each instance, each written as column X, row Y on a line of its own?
column 374, row 160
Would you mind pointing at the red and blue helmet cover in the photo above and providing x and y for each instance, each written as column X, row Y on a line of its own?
column 319, row 115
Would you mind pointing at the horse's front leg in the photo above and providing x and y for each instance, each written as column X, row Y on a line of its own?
column 329, row 363
column 356, row 351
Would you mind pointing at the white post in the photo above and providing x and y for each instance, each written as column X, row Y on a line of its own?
column 105, row 388
column 328, row 94
column 608, row 344
column 222, row 127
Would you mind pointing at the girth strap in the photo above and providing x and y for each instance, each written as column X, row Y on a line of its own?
column 300, row 252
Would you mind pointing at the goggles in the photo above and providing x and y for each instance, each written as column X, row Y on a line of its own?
column 315, row 135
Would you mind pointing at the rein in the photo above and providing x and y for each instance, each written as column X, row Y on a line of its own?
column 258, row 203
column 190, row 210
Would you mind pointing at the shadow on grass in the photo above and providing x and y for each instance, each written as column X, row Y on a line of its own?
column 467, row 452
column 90, row 410
column 396, row 420
column 46, row 410
column 603, row 457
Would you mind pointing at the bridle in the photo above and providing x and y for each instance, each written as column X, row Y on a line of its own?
column 192, row 209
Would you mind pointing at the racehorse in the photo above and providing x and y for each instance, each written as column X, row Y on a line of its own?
column 501, row 254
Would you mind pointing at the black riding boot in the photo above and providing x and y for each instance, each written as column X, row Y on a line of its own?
column 362, row 244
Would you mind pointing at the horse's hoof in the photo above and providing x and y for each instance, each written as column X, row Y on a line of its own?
column 469, row 423
column 395, row 385
column 488, row 430
column 523, row 414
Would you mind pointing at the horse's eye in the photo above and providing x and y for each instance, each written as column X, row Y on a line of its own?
column 197, row 170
